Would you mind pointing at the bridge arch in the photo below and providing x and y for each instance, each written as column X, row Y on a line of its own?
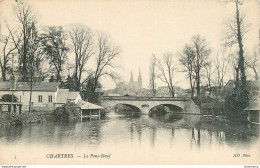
column 171, row 106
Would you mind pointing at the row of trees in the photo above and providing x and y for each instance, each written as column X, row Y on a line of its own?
column 194, row 59
column 44, row 51
column 196, row 62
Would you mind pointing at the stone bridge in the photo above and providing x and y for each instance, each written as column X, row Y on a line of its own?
column 145, row 104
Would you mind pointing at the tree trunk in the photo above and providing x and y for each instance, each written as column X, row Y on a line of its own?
column 241, row 52
column 256, row 75
column 198, row 85
column 191, row 86
column 4, row 75
column 237, row 78
column 30, row 101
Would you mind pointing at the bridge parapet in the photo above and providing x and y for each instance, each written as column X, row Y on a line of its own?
column 145, row 98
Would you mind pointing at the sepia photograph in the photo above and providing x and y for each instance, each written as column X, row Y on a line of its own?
column 129, row 82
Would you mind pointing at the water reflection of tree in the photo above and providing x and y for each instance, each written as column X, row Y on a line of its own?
column 11, row 133
column 136, row 124
column 93, row 132
column 227, row 132
column 153, row 136
column 193, row 137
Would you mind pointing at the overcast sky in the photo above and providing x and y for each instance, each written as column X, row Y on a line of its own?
column 143, row 27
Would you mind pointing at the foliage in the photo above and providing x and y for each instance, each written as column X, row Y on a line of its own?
column 90, row 85
column 8, row 98
column 69, row 83
column 236, row 103
column 66, row 111
column 54, row 46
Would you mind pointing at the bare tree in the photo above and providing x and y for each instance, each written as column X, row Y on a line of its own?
column 253, row 63
column 5, row 58
column 221, row 64
column 234, row 33
column 107, row 53
column 55, row 49
column 167, row 68
column 202, row 53
column 187, row 60
column 152, row 84
column 82, row 44
column 26, row 22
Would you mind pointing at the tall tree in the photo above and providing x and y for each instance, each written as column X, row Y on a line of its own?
column 55, row 49
column 167, row 68
column 234, row 33
column 187, row 60
column 7, row 51
column 152, row 75
column 33, row 67
column 82, row 44
column 107, row 53
column 26, row 22
column 202, row 53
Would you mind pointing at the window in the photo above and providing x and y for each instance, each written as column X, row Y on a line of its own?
column 50, row 99
column 40, row 98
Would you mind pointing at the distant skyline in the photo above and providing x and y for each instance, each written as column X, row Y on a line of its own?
column 144, row 27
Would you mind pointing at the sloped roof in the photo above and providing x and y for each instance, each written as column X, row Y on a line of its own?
column 5, row 86
column 73, row 95
column 250, row 83
column 253, row 106
column 23, row 86
column 62, row 95
column 86, row 105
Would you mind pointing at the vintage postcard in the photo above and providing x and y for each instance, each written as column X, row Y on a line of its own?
column 139, row 82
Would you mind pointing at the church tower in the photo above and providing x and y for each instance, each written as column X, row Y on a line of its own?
column 140, row 80
column 131, row 79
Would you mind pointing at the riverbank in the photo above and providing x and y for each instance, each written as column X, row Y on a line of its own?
column 7, row 119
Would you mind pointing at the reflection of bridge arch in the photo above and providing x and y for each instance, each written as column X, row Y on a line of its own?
column 172, row 107
column 145, row 104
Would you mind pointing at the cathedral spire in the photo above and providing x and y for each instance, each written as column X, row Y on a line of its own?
column 131, row 80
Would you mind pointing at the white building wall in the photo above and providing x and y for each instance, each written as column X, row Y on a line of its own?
column 24, row 98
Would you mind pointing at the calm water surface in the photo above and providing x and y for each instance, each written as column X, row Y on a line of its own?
column 168, row 138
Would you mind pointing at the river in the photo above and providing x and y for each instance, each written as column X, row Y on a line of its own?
column 122, row 139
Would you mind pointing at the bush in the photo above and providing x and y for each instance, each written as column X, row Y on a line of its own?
column 8, row 98
column 236, row 103
column 66, row 111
